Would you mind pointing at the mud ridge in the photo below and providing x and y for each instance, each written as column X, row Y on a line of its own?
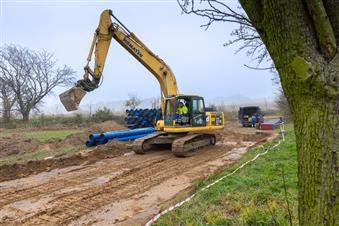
column 24, row 169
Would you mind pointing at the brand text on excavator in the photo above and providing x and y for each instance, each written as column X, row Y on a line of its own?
column 132, row 47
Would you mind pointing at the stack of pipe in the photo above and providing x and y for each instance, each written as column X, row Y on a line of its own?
column 141, row 118
column 124, row 135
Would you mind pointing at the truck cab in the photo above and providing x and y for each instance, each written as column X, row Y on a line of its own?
column 245, row 114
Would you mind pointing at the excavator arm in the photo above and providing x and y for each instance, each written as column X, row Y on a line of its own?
column 100, row 47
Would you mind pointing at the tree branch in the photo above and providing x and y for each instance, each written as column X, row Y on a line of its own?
column 246, row 34
column 332, row 10
column 260, row 68
column 323, row 28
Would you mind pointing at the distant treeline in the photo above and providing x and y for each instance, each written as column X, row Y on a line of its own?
column 78, row 119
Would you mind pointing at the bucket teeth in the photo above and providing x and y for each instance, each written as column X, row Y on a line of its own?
column 72, row 98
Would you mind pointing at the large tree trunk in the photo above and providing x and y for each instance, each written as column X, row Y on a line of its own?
column 303, row 45
column 6, row 110
column 7, row 102
column 25, row 117
column 316, row 126
column 6, row 115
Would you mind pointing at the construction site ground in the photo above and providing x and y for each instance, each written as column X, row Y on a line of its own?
column 109, row 184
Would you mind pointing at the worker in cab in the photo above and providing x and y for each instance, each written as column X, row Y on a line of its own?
column 182, row 111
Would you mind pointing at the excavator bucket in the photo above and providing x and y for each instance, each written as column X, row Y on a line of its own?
column 72, row 98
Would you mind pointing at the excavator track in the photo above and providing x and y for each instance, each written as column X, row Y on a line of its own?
column 182, row 146
column 144, row 144
column 189, row 144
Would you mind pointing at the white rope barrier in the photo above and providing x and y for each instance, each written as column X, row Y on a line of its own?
column 171, row 208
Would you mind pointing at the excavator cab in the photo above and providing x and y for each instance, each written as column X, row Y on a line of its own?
column 193, row 115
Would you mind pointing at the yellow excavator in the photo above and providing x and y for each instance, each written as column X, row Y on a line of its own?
column 185, row 131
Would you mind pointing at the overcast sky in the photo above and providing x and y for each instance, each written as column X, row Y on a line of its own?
column 197, row 57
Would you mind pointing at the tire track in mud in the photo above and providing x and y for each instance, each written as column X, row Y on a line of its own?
column 64, row 196
column 71, row 205
column 46, row 189
column 70, row 179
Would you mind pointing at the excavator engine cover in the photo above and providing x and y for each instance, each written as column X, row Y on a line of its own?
column 72, row 98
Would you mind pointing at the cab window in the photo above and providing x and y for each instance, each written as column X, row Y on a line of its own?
column 198, row 106
column 198, row 113
column 170, row 108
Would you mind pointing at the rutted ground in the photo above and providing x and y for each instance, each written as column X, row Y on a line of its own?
column 123, row 189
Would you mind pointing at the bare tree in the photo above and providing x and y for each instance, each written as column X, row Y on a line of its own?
column 282, row 105
column 133, row 101
column 7, row 98
column 32, row 75
column 246, row 34
column 302, row 39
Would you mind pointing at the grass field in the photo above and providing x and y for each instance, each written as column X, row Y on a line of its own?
column 43, row 153
column 45, row 135
column 42, row 135
column 255, row 195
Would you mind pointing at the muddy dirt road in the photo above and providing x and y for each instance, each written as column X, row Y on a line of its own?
column 124, row 190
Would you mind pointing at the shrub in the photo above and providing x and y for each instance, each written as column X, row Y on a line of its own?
column 79, row 119
column 102, row 115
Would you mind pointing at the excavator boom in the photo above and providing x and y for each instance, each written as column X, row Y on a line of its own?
column 100, row 46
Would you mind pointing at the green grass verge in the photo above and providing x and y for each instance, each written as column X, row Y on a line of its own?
column 252, row 196
column 38, row 155
column 45, row 135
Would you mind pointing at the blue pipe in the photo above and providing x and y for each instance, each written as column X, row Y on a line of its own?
column 90, row 143
column 133, row 137
column 127, row 133
column 94, row 136
column 102, row 141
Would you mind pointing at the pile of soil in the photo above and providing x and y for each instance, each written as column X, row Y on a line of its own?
column 19, row 170
column 70, row 140
column 114, row 145
column 105, row 127
column 18, row 144
column 78, row 139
